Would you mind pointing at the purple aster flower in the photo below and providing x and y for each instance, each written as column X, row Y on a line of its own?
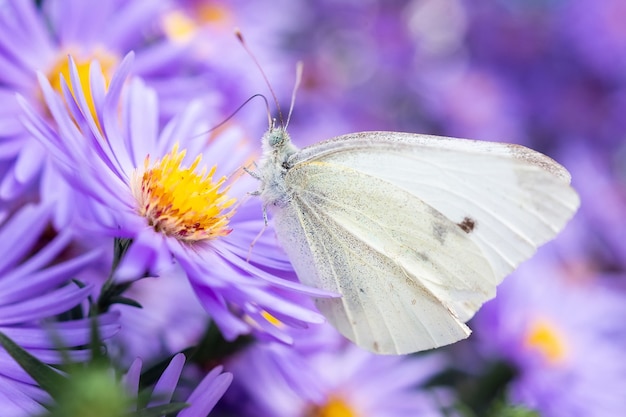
column 34, row 289
column 324, row 375
column 153, row 187
column 203, row 398
column 563, row 331
column 36, row 39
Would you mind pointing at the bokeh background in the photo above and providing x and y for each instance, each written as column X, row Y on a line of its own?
column 547, row 74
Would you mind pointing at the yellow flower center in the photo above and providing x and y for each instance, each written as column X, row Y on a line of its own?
column 214, row 14
column 335, row 407
column 181, row 203
column 61, row 68
column 178, row 26
column 545, row 338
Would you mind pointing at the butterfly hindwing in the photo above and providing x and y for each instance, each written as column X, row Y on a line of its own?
column 409, row 277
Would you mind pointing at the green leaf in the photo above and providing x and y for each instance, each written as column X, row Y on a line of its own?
column 159, row 410
column 95, row 343
column 120, row 246
column 125, row 300
column 46, row 377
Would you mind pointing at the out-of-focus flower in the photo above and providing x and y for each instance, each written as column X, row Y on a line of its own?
column 34, row 288
column 494, row 116
column 596, row 237
column 564, row 333
column 323, row 375
column 135, row 182
column 208, row 27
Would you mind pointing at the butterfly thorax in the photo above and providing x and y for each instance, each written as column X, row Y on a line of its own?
column 277, row 148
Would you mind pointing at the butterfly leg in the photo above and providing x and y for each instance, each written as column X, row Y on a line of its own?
column 265, row 222
column 252, row 173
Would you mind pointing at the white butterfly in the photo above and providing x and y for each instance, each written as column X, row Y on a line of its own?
column 415, row 232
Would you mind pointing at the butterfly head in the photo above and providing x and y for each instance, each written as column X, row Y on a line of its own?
column 277, row 140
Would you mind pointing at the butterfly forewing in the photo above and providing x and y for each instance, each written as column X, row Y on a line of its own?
column 508, row 198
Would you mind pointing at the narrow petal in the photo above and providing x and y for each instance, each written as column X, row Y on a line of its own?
column 27, row 224
column 41, row 307
column 22, row 285
column 131, row 379
column 207, row 393
column 165, row 386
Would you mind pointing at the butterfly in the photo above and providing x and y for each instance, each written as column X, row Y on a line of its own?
column 413, row 231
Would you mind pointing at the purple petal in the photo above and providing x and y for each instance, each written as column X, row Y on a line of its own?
column 44, row 306
column 13, row 399
column 131, row 379
column 71, row 333
column 142, row 121
column 27, row 224
column 22, row 285
column 165, row 386
column 297, row 287
column 207, row 393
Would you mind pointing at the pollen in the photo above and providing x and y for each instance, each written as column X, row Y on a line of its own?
column 545, row 338
column 181, row 203
column 334, row 407
column 273, row 320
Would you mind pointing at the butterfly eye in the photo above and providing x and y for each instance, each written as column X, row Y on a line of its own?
column 277, row 137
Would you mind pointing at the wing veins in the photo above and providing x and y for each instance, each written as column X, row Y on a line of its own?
column 385, row 230
column 358, row 256
column 329, row 219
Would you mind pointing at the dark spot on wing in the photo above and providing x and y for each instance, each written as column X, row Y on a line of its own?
column 467, row 225
column 422, row 257
column 375, row 346
column 361, row 290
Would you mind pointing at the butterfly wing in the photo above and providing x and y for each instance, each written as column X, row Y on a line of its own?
column 509, row 199
column 408, row 275
column 415, row 231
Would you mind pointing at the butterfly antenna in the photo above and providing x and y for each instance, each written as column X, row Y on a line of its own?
column 223, row 122
column 296, row 86
column 267, row 82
